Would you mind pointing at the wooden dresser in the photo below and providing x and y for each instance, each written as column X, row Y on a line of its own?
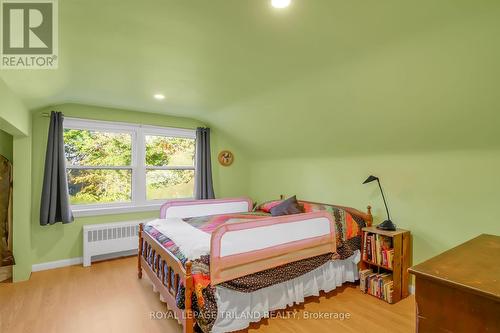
column 459, row 290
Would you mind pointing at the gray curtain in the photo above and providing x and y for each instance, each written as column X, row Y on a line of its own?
column 203, row 185
column 55, row 206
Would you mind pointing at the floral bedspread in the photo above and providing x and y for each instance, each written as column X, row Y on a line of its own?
column 348, row 238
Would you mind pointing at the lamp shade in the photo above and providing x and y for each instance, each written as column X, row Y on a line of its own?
column 370, row 179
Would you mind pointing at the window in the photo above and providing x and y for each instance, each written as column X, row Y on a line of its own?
column 123, row 167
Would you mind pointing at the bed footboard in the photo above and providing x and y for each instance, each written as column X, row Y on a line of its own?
column 166, row 272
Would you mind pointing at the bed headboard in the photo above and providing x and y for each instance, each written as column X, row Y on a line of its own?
column 190, row 208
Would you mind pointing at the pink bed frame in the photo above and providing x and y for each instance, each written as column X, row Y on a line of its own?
column 225, row 268
column 237, row 265
column 192, row 202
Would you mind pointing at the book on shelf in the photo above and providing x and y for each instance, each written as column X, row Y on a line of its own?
column 377, row 284
column 378, row 249
column 368, row 246
column 364, row 254
column 374, row 253
column 363, row 274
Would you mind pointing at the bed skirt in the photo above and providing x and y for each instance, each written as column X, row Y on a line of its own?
column 236, row 310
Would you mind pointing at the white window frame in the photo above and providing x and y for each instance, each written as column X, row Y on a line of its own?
column 138, row 166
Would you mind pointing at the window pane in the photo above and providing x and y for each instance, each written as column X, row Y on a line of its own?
column 164, row 151
column 169, row 184
column 99, row 186
column 93, row 148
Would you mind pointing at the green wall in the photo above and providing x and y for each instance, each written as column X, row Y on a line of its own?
column 443, row 198
column 21, row 207
column 14, row 116
column 15, row 119
column 6, row 145
column 56, row 242
column 231, row 181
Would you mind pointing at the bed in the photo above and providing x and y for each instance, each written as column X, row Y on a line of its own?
column 220, row 266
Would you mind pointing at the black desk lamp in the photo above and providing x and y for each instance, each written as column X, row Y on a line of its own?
column 387, row 224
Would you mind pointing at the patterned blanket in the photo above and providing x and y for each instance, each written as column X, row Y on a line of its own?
column 348, row 238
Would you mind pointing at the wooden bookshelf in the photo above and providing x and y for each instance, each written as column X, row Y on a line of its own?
column 401, row 244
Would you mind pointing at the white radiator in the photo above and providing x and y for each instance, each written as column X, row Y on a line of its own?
column 109, row 238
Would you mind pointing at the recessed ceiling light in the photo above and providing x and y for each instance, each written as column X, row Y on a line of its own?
column 280, row 3
column 159, row 96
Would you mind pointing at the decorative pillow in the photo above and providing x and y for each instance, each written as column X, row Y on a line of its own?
column 315, row 207
column 287, row 207
column 266, row 206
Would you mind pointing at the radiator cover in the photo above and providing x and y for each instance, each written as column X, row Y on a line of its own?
column 109, row 238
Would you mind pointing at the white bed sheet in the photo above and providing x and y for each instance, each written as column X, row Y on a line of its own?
column 192, row 242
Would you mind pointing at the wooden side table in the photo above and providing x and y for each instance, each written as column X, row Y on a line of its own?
column 401, row 244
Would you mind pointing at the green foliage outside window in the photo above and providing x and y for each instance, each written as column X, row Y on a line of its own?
column 166, row 151
column 87, row 148
column 90, row 148
column 169, row 151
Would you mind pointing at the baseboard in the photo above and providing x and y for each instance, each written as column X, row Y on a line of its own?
column 56, row 264
column 114, row 255
column 79, row 260
column 411, row 289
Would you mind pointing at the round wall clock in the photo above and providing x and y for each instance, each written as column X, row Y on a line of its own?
column 226, row 158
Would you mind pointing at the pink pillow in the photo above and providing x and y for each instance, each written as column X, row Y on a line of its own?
column 267, row 206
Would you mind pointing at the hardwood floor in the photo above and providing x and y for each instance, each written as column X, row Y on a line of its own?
column 108, row 297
